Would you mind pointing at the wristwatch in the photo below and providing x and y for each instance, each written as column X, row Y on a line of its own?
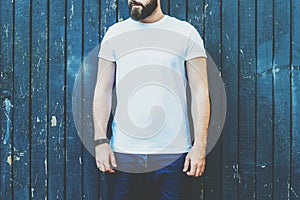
column 101, row 141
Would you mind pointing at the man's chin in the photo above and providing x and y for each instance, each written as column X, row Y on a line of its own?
column 136, row 15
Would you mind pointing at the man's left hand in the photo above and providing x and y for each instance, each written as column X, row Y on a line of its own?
column 194, row 162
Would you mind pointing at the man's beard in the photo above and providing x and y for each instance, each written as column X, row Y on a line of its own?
column 142, row 13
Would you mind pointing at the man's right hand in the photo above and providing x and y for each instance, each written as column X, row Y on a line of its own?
column 105, row 158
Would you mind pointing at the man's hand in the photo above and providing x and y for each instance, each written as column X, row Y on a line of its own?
column 105, row 158
column 195, row 161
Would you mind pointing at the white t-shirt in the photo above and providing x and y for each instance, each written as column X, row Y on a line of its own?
column 151, row 113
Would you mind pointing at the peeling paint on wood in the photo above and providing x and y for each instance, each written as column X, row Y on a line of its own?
column 53, row 121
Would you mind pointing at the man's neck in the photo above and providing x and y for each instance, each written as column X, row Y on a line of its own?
column 154, row 17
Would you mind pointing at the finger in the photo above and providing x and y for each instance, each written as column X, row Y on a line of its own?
column 192, row 171
column 203, row 164
column 203, row 168
column 101, row 167
column 108, row 168
column 198, row 172
column 98, row 164
column 186, row 164
column 113, row 160
column 111, row 171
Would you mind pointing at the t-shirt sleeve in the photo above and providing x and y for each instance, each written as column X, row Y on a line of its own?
column 195, row 46
column 106, row 50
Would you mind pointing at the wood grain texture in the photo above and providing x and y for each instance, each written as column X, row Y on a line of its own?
column 74, row 57
column 6, row 89
column 295, row 162
column 247, row 81
column 39, row 101
column 56, row 95
column 178, row 9
column 282, row 95
column 264, row 99
column 230, row 74
column 21, row 96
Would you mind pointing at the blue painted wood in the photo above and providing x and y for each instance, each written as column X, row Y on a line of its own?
column 165, row 6
column 56, row 99
column 74, row 145
column 108, row 15
column 212, row 37
column 178, row 9
column 123, row 11
column 230, row 74
column 264, row 124
column 91, row 40
column 247, row 71
column 38, row 100
column 281, row 76
column 295, row 162
column 6, row 89
column 195, row 15
column 21, row 92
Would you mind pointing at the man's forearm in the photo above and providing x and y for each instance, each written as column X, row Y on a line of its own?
column 101, row 111
column 102, row 97
column 201, row 114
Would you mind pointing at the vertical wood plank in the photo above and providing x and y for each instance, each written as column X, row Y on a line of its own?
column 264, row 100
column 295, row 165
column 6, row 89
column 56, row 89
column 194, row 17
column 281, row 76
column 230, row 176
column 165, row 6
column 39, row 100
column 123, row 11
column 247, row 71
column 91, row 40
column 74, row 182
column 212, row 37
column 178, row 9
column 21, row 121
column 108, row 17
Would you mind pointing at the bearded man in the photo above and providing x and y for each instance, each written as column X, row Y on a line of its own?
column 151, row 58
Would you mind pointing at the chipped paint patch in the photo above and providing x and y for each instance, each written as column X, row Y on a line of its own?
column 9, row 160
column 32, row 190
column 236, row 174
column 8, row 106
column 291, row 189
column 53, row 121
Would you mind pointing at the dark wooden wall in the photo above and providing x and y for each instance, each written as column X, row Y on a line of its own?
column 255, row 44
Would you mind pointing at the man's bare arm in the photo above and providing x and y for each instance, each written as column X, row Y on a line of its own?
column 200, row 108
column 105, row 159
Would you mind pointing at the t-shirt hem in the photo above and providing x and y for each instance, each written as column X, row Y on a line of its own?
column 152, row 151
column 196, row 56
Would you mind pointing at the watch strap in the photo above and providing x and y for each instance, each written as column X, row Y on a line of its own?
column 101, row 141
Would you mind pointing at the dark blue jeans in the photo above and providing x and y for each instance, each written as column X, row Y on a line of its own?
column 135, row 179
